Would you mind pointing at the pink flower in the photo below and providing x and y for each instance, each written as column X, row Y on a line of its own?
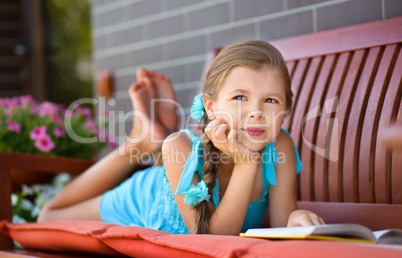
column 12, row 102
column 10, row 106
column 63, row 111
column 59, row 132
column 83, row 110
column 34, row 110
column 90, row 125
column 56, row 118
column 44, row 143
column 47, row 108
column 69, row 114
column 86, row 111
column 26, row 100
column 13, row 126
column 38, row 132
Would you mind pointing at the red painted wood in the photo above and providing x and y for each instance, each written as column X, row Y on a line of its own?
column 327, row 134
column 369, row 129
column 382, row 166
column 310, row 122
column 338, row 40
column 45, row 163
column 297, row 81
column 374, row 216
column 344, row 107
column 354, row 127
column 366, row 182
column 396, row 174
column 5, row 203
column 307, row 176
column 291, row 67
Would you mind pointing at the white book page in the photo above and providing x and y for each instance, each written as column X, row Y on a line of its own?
column 292, row 231
column 346, row 230
column 389, row 236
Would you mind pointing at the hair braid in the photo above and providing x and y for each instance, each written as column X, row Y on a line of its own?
column 203, row 213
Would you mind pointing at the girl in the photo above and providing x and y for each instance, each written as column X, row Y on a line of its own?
column 220, row 183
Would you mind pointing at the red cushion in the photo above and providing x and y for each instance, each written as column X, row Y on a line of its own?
column 103, row 238
column 60, row 236
column 153, row 243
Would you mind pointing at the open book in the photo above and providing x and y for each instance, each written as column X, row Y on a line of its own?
column 343, row 232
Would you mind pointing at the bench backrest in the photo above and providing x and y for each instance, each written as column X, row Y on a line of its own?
column 347, row 86
column 347, row 90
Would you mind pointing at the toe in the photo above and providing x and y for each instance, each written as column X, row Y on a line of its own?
column 158, row 76
column 150, row 87
column 134, row 87
column 142, row 73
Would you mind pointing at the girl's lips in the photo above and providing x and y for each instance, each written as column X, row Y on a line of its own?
column 254, row 131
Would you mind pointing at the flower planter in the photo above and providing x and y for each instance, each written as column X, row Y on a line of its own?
column 21, row 177
column 32, row 168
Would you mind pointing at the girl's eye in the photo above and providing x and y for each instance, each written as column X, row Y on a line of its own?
column 269, row 100
column 239, row 97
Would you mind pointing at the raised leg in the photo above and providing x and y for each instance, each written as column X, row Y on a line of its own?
column 81, row 198
column 166, row 108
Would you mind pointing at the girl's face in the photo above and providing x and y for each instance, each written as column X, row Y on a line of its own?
column 254, row 103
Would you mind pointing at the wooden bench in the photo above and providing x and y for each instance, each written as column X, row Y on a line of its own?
column 347, row 95
column 347, row 86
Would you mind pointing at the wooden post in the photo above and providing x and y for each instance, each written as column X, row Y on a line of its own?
column 5, row 203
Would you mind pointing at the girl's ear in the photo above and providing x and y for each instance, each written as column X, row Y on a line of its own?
column 209, row 105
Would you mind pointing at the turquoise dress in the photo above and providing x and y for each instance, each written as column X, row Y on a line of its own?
column 146, row 199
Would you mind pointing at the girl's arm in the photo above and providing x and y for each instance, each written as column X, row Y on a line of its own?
column 229, row 217
column 282, row 197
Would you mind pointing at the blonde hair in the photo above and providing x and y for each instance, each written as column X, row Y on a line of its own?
column 253, row 54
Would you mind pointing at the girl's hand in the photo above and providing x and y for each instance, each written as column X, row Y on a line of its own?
column 304, row 218
column 226, row 141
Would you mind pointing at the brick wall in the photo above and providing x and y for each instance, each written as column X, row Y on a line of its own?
column 173, row 36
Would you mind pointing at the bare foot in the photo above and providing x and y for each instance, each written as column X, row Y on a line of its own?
column 147, row 130
column 166, row 109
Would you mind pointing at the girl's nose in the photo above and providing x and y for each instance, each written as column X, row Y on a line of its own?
column 256, row 114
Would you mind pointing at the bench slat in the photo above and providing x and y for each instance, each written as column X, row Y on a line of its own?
column 366, row 182
column 310, row 127
column 347, row 180
column 370, row 128
column 354, row 127
column 389, row 109
column 291, row 66
column 326, row 130
column 396, row 176
column 297, row 81
column 394, row 160
column 302, row 105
